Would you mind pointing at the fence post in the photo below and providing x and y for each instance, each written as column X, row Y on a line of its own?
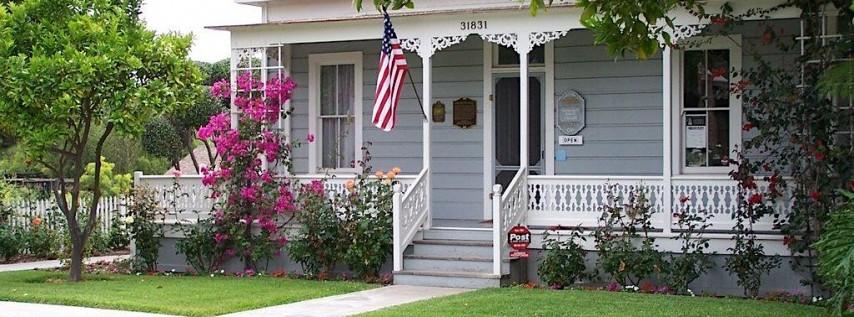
column 496, row 229
column 396, row 229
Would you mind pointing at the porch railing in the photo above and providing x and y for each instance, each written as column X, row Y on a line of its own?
column 410, row 212
column 579, row 200
column 508, row 209
column 191, row 198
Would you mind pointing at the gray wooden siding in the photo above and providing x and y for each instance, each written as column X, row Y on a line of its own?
column 623, row 135
column 457, row 153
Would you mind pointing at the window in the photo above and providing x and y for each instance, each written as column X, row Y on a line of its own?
column 709, row 114
column 336, row 107
column 508, row 57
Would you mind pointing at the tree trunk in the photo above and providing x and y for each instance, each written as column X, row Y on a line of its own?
column 75, row 273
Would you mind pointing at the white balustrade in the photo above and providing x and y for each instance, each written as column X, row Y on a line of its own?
column 509, row 209
column 410, row 212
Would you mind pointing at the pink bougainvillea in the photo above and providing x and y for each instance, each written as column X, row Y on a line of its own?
column 252, row 204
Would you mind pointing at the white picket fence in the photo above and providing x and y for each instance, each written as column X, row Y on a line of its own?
column 23, row 212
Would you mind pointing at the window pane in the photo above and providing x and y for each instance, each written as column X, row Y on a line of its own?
column 330, row 143
column 695, row 139
column 346, row 89
column 718, row 92
column 328, row 89
column 694, row 85
column 718, row 138
column 509, row 56
column 347, row 144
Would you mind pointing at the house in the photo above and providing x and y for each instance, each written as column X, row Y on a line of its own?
column 582, row 120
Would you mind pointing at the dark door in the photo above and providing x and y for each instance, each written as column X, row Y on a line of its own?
column 506, row 125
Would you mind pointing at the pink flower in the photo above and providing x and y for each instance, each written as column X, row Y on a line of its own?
column 220, row 238
column 310, row 138
column 317, row 187
column 614, row 287
column 176, row 173
column 755, row 199
column 230, row 252
column 249, row 193
column 221, row 89
column 281, row 241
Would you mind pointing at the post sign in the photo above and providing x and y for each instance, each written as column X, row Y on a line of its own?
column 519, row 238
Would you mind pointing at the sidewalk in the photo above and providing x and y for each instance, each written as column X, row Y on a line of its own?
column 12, row 309
column 52, row 264
column 353, row 303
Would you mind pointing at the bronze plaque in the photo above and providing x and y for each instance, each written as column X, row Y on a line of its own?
column 438, row 112
column 465, row 112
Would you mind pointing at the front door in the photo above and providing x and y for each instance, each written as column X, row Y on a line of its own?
column 506, row 136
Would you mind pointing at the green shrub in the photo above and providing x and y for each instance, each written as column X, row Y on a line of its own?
column 118, row 236
column 199, row 247
column 319, row 242
column 563, row 262
column 11, row 242
column 692, row 260
column 368, row 225
column 43, row 241
column 619, row 253
column 143, row 213
column 836, row 256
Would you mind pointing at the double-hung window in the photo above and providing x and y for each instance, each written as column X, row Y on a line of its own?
column 709, row 113
column 336, row 111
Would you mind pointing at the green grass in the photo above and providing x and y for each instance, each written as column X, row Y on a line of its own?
column 177, row 295
column 540, row 302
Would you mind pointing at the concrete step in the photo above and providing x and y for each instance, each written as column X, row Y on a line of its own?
column 453, row 248
column 479, row 234
column 447, row 279
column 447, row 264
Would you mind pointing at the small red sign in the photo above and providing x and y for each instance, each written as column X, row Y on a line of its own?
column 519, row 238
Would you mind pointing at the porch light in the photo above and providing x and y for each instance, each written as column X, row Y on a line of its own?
column 438, row 112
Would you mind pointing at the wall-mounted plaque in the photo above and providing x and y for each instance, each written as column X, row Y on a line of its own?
column 438, row 112
column 570, row 112
column 465, row 112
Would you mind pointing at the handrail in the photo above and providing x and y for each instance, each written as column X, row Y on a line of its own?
column 508, row 209
column 409, row 213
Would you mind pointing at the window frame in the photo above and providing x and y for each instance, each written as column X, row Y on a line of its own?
column 315, row 62
column 733, row 44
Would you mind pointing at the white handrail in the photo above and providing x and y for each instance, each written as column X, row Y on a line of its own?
column 409, row 214
column 508, row 210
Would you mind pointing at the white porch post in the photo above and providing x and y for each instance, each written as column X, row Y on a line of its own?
column 667, row 153
column 523, row 47
column 426, row 52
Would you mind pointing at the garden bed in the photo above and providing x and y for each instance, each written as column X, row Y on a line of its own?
column 542, row 302
column 167, row 294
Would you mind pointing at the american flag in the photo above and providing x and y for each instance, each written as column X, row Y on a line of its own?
column 392, row 72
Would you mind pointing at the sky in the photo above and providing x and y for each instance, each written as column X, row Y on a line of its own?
column 191, row 16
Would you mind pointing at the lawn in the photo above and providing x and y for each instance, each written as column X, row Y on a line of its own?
column 177, row 295
column 540, row 302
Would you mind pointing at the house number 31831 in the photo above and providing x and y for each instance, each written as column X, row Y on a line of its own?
column 473, row 25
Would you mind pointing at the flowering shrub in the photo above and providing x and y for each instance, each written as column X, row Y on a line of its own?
column 42, row 240
column 748, row 261
column 251, row 204
column 368, row 224
column 563, row 263
column 692, row 261
column 11, row 242
column 319, row 242
column 144, row 211
column 619, row 255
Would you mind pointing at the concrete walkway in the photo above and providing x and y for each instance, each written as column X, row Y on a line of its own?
column 11, row 309
column 353, row 303
column 52, row 264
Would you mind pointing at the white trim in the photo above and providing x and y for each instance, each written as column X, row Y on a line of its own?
column 487, row 130
column 314, row 63
column 667, row 106
column 489, row 72
column 733, row 44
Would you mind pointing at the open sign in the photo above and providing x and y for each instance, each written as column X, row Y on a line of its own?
column 519, row 238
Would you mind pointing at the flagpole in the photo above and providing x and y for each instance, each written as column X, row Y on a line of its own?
column 418, row 97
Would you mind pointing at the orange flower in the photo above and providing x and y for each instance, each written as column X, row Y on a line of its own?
column 37, row 221
column 379, row 174
column 350, row 185
column 391, row 175
column 396, row 170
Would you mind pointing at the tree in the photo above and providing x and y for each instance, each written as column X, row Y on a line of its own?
column 70, row 65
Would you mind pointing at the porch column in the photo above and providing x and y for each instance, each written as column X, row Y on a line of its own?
column 667, row 147
column 523, row 47
column 426, row 53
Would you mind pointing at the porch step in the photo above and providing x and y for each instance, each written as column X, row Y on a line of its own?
column 447, row 263
column 453, row 248
column 447, row 279
column 479, row 234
